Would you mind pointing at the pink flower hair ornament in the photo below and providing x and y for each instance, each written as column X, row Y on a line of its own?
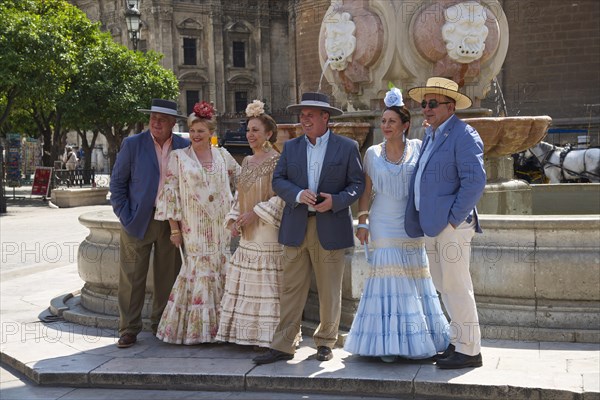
column 204, row 110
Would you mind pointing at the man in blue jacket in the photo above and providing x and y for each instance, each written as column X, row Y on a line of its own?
column 445, row 188
column 136, row 180
column 319, row 175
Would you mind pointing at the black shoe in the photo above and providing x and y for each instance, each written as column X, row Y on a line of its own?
column 271, row 356
column 447, row 353
column 460, row 360
column 324, row 353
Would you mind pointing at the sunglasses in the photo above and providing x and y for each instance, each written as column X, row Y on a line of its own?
column 433, row 103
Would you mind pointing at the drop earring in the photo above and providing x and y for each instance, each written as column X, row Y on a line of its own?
column 267, row 146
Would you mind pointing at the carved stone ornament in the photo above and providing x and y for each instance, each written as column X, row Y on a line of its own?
column 465, row 32
column 340, row 41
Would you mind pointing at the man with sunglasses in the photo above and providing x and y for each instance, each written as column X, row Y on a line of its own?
column 444, row 190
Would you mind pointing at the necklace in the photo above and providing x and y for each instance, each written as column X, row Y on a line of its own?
column 384, row 154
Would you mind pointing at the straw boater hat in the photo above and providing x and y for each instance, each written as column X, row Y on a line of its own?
column 446, row 87
column 316, row 100
column 164, row 107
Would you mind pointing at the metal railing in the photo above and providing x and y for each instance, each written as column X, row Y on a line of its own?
column 77, row 177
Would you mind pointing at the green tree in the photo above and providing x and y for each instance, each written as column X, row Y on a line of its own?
column 41, row 44
column 112, row 84
column 64, row 73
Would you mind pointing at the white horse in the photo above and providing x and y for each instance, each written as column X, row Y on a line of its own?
column 561, row 163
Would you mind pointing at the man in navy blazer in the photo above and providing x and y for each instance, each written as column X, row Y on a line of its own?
column 137, row 178
column 446, row 186
column 319, row 175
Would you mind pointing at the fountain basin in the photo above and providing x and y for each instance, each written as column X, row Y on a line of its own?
column 353, row 130
column 537, row 277
column 503, row 136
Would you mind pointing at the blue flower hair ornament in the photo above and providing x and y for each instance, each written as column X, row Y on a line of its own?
column 393, row 98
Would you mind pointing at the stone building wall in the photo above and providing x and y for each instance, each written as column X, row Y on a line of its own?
column 552, row 66
column 308, row 17
column 553, row 63
column 214, row 26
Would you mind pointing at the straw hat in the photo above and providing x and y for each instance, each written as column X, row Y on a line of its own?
column 443, row 86
column 315, row 100
column 164, row 107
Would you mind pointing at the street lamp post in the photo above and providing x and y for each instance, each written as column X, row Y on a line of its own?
column 132, row 17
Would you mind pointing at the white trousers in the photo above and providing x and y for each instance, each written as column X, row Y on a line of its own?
column 449, row 256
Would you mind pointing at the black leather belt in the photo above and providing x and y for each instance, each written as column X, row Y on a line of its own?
column 312, row 213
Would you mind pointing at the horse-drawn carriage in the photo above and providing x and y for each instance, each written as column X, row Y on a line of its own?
column 549, row 163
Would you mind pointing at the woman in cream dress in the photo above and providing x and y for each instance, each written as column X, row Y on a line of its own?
column 196, row 198
column 250, row 305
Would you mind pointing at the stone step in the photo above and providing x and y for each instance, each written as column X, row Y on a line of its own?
column 67, row 354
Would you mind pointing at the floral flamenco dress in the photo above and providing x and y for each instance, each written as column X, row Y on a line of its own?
column 199, row 199
column 399, row 313
column 250, row 305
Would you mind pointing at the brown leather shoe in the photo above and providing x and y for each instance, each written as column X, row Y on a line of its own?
column 126, row 340
column 271, row 356
column 324, row 353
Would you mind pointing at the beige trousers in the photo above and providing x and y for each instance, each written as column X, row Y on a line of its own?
column 134, row 263
column 449, row 256
column 328, row 267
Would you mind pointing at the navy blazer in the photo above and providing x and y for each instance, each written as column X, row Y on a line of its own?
column 341, row 175
column 451, row 184
column 134, row 181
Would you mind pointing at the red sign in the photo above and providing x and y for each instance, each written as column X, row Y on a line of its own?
column 41, row 181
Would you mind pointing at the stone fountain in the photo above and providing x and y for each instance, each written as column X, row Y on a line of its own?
column 536, row 276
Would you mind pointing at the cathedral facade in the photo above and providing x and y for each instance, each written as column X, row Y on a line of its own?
column 224, row 52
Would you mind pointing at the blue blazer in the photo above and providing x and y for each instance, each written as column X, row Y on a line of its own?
column 134, row 181
column 341, row 175
column 451, row 184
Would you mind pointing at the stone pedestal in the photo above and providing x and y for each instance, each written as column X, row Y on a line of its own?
column 504, row 195
column 98, row 265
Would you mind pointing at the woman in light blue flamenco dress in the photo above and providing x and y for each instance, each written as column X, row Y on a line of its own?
column 399, row 314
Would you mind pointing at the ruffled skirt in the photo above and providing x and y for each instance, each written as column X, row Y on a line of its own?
column 399, row 313
column 192, row 312
column 250, row 305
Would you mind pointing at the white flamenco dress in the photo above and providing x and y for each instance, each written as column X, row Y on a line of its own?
column 399, row 313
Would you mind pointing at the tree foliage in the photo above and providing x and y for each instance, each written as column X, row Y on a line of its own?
column 60, row 73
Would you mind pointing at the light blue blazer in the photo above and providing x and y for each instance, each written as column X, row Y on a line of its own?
column 451, row 184
column 341, row 175
column 134, row 181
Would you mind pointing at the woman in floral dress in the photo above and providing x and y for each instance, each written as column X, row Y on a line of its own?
column 195, row 199
column 250, row 306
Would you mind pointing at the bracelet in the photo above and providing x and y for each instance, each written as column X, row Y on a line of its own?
column 175, row 232
column 361, row 213
column 365, row 226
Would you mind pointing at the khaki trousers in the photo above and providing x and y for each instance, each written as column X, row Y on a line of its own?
column 449, row 256
column 328, row 267
column 134, row 263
